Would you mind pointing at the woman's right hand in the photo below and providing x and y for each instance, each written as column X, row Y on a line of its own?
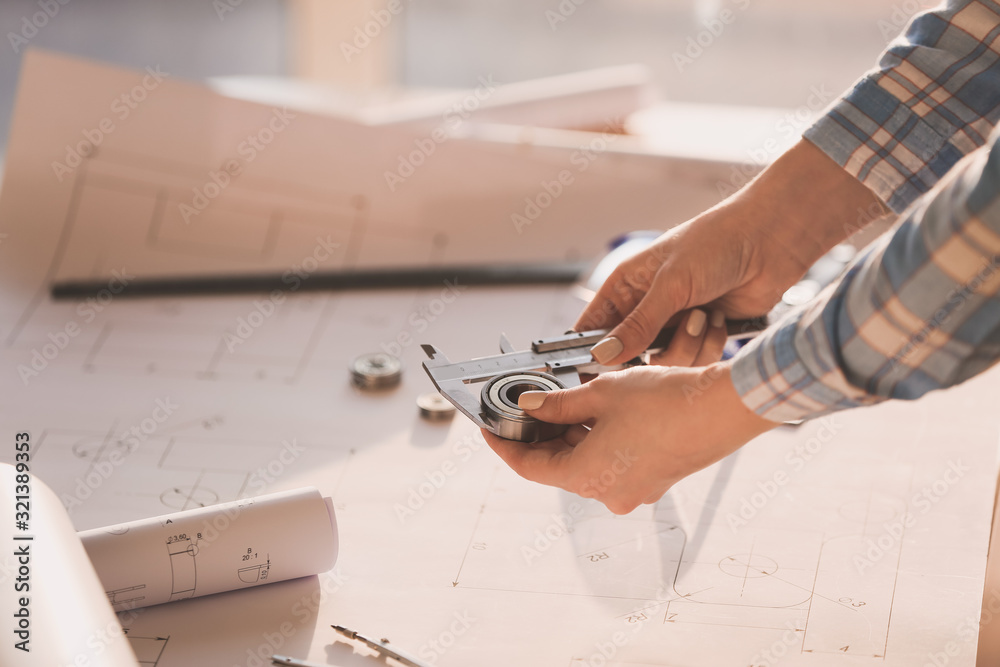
column 738, row 257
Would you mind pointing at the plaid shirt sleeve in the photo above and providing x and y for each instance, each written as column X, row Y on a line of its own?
column 934, row 98
column 918, row 311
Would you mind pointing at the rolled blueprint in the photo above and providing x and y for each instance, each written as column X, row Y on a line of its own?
column 214, row 549
column 51, row 597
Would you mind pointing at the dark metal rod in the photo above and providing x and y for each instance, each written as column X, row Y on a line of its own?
column 512, row 274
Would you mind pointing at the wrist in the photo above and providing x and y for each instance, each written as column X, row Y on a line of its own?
column 728, row 406
column 804, row 204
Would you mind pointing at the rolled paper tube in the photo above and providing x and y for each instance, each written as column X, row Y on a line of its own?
column 214, row 549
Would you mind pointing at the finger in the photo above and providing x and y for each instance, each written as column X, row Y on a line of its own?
column 667, row 296
column 575, row 434
column 601, row 313
column 548, row 462
column 620, row 292
column 687, row 342
column 714, row 341
column 562, row 406
column 613, row 300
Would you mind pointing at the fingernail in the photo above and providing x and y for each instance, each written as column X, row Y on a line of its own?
column 696, row 323
column 718, row 318
column 531, row 400
column 607, row 349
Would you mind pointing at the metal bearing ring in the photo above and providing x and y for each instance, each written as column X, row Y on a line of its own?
column 376, row 371
column 499, row 399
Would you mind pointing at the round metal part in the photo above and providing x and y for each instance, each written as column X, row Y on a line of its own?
column 376, row 371
column 499, row 399
column 435, row 407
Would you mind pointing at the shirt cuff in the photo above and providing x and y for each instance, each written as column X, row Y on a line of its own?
column 788, row 372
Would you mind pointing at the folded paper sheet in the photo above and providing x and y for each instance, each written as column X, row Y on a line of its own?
column 137, row 174
column 64, row 618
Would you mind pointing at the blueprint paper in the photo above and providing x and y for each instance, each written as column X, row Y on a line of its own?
column 856, row 540
column 224, row 547
column 425, row 551
column 185, row 181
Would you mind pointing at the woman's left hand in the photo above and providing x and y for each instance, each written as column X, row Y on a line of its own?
column 636, row 432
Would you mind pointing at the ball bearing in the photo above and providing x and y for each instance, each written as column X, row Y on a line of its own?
column 499, row 399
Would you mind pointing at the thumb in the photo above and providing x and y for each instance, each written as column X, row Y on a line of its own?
column 641, row 326
column 562, row 406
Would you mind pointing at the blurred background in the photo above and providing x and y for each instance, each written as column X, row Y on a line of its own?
column 769, row 53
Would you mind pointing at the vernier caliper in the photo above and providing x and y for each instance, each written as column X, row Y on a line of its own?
column 551, row 363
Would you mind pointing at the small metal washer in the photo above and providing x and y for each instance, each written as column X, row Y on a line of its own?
column 376, row 371
column 435, row 407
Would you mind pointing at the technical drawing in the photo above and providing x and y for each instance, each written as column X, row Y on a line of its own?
column 123, row 196
column 125, row 596
column 85, row 447
column 184, row 466
column 873, row 510
column 543, row 589
column 783, row 578
column 681, row 573
column 185, row 497
column 183, row 567
column 148, row 650
column 254, row 573
column 254, row 216
column 748, row 566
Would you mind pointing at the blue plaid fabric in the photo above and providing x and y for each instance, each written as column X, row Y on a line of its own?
column 920, row 309
column 934, row 98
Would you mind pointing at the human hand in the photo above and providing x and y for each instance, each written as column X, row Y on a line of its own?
column 698, row 341
column 738, row 257
column 649, row 427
